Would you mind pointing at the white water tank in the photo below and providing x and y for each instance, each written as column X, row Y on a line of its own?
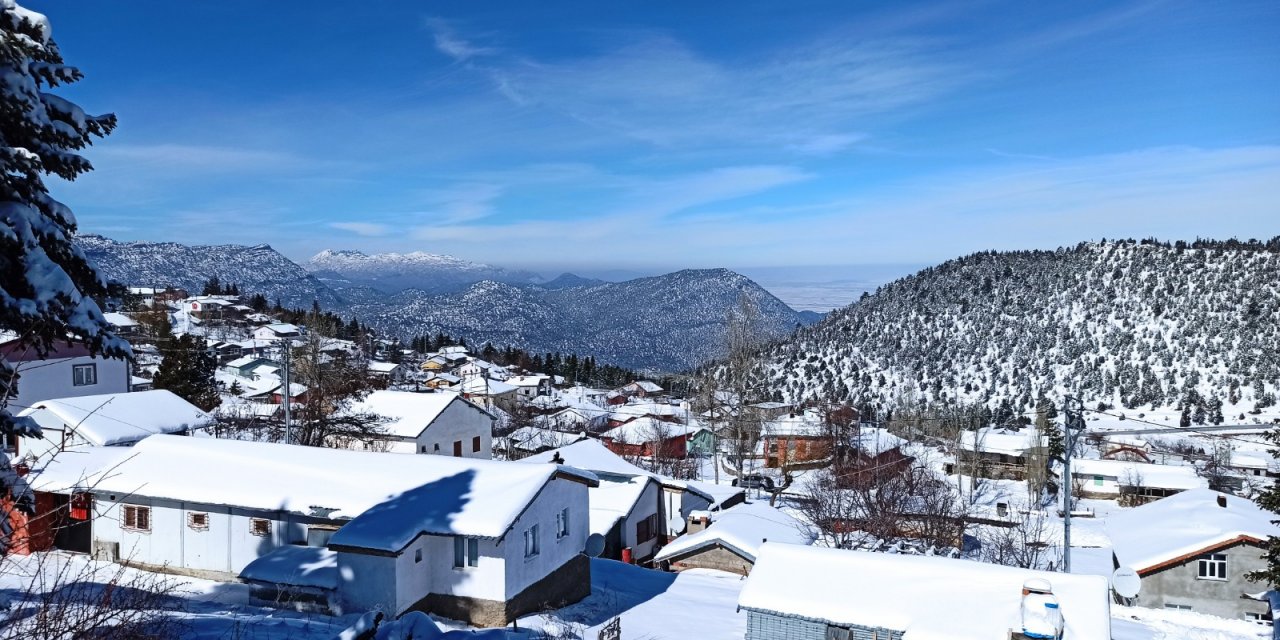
column 1041, row 617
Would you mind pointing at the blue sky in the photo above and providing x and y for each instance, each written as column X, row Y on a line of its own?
column 650, row 135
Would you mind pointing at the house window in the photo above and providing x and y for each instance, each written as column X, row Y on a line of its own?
column 137, row 518
column 1213, row 567
column 531, row 541
column 1179, row 607
column 198, row 521
column 1257, row 618
column 260, row 526
column 647, row 529
column 562, row 523
column 424, row 448
column 839, row 633
column 83, row 375
column 466, row 552
column 1097, row 481
column 475, row 444
column 457, row 448
column 417, row 555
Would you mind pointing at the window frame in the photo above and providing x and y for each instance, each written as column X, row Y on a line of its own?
column 92, row 378
column 562, row 524
column 193, row 516
column 1212, row 566
column 264, row 531
column 475, row 444
column 129, row 518
column 532, row 544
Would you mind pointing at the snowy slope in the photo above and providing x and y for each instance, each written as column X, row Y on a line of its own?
column 1126, row 323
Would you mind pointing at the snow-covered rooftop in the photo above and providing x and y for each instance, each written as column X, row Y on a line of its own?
column 614, row 500
column 990, row 440
column 382, row 367
column 445, row 495
column 486, row 387
column 926, row 598
column 119, row 319
column 1187, row 523
column 120, row 418
column 591, row 455
column 742, row 529
column 1143, row 474
column 295, row 565
column 647, row 429
column 408, row 413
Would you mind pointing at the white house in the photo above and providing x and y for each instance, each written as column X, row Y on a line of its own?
column 1192, row 551
column 67, row 371
column 1137, row 481
column 531, row 386
column 112, row 419
column 440, row 422
column 811, row 593
column 276, row 331
column 627, row 502
column 732, row 539
column 477, row 540
column 389, row 371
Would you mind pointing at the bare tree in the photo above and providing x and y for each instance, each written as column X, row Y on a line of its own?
column 1029, row 542
column 742, row 376
column 335, row 381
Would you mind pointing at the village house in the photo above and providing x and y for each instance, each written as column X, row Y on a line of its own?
column 491, row 394
column 528, row 440
column 997, row 453
column 1132, row 483
column 67, row 371
column 640, row 389
column 441, row 423
column 112, row 419
column 729, row 540
column 276, row 331
column 530, row 387
column 123, row 325
column 476, row 540
column 387, row 373
column 810, row 593
column 796, row 439
column 1192, row 551
column 873, row 454
column 635, row 521
column 650, row 437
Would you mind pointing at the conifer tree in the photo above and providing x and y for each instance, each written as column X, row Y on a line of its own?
column 187, row 370
column 47, row 286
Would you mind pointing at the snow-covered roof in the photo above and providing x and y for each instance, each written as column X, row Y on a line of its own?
column 121, row 418
column 532, row 438
column 282, row 328
column 486, row 387
column 382, row 367
column 613, row 500
column 742, row 529
column 242, row 361
column 1144, row 474
column 924, row 597
column 990, row 440
column 1187, row 523
column 591, row 455
column 295, row 565
column 396, row 497
column 408, row 413
column 647, row 429
column 796, row 424
column 876, row 440
column 119, row 319
column 527, row 381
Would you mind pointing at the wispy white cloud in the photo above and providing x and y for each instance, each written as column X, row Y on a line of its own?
column 448, row 42
column 366, row 229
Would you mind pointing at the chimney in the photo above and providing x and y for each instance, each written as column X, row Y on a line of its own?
column 1222, row 501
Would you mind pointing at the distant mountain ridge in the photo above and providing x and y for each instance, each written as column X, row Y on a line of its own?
column 669, row 322
column 395, row 272
column 257, row 269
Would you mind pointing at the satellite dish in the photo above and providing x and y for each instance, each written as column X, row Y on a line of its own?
column 675, row 524
column 1126, row 582
column 594, row 546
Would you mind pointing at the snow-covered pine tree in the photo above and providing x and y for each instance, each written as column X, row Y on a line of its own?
column 46, row 284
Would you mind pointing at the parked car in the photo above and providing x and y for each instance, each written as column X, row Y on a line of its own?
column 754, row 481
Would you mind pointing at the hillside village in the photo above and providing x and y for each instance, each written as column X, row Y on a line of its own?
column 491, row 496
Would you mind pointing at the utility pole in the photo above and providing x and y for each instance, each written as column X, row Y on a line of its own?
column 1073, row 426
column 288, row 423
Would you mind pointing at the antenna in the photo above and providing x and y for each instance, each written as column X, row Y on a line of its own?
column 1126, row 582
column 594, row 546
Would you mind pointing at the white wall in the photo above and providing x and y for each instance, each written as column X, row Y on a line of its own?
column 647, row 505
column 459, row 421
column 522, row 572
column 50, row 379
column 367, row 582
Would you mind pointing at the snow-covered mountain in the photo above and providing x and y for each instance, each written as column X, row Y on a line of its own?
column 394, row 272
column 257, row 269
column 1133, row 324
column 668, row 322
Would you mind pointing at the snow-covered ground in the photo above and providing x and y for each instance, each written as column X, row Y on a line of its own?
column 652, row 605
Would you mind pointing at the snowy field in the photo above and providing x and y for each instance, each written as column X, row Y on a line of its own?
column 651, row 605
